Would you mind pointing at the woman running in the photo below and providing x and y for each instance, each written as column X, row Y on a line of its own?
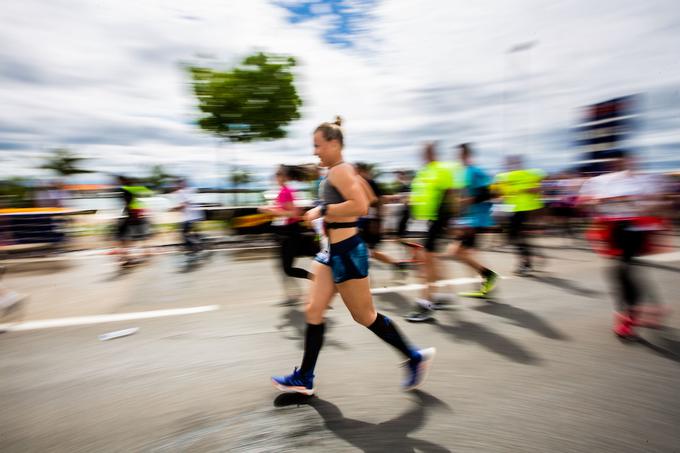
column 287, row 222
column 627, row 209
column 343, row 267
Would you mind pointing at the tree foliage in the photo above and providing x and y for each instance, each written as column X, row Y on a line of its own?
column 239, row 177
column 64, row 163
column 159, row 179
column 253, row 101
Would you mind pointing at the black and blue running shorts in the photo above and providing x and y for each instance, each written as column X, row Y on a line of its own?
column 348, row 259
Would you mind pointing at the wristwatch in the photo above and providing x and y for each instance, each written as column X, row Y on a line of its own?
column 324, row 209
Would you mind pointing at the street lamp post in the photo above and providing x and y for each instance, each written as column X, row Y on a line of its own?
column 517, row 49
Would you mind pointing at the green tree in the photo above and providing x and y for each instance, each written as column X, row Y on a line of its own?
column 239, row 177
column 15, row 193
column 254, row 101
column 64, row 163
column 159, row 178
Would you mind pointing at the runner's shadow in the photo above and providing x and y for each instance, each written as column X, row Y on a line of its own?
column 396, row 302
column 522, row 318
column 664, row 342
column 567, row 285
column 466, row 331
column 193, row 263
column 657, row 266
column 15, row 313
column 295, row 319
column 135, row 265
column 541, row 256
column 462, row 330
column 120, row 273
column 390, row 436
column 189, row 266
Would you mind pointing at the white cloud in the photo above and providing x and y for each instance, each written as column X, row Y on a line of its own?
column 105, row 77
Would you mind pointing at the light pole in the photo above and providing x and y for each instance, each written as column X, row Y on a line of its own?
column 517, row 49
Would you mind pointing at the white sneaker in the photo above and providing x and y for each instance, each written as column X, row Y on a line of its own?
column 424, row 303
column 422, row 314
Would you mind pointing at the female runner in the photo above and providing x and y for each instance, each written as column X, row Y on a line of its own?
column 343, row 267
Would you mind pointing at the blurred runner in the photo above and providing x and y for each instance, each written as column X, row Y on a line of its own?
column 133, row 223
column 51, row 195
column 315, row 176
column 288, row 228
column 476, row 217
column 563, row 212
column 370, row 225
column 625, row 207
column 191, row 216
column 403, row 191
column 521, row 189
column 432, row 198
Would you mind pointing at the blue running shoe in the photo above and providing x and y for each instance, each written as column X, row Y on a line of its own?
column 295, row 383
column 417, row 369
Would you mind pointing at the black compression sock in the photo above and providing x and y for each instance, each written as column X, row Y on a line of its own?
column 313, row 343
column 486, row 272
column 388, row 332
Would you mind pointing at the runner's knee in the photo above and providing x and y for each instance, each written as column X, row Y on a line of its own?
column 364, row 317
column 314, row 313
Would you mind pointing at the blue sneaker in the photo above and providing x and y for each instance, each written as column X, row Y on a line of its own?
column 417, row 369
column 295, row 383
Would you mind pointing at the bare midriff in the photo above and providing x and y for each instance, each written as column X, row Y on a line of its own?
column 340, row 234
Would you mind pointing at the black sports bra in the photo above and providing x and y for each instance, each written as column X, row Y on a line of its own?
column 330, row 195
column 338, row 225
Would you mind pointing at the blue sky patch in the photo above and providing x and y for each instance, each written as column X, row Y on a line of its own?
column 347, row 18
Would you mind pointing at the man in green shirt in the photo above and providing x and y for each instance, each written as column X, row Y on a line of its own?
column 521, row 190
column 132, row 225
column 432, row 198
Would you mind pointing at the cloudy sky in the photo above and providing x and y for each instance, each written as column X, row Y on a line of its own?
column 105, row 78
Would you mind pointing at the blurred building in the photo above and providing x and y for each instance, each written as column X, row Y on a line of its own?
column 604, row 131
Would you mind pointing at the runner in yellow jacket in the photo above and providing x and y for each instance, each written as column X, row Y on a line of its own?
column 521, row 190
column 433, row 196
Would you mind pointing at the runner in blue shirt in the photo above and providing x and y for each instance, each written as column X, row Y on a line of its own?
column 476, row 217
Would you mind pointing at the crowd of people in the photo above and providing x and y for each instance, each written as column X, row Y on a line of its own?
column 451, row 200
column 456, row 201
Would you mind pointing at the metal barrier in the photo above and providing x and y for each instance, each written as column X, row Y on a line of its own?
column 34, row 227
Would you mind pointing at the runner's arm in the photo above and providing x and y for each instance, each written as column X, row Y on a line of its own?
column 348, row 183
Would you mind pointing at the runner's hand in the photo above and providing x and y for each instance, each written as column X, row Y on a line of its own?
column 313, row 214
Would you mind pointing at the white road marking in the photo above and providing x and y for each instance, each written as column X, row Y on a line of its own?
column 97, row 253
column 99, row 319
column 118, row 334
column 662, row 257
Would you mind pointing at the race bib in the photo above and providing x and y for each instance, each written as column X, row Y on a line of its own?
column 324, row 254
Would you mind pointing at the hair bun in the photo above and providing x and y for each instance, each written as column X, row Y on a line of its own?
column 338, row 121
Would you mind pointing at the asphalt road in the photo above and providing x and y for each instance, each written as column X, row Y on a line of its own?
column 536, row 370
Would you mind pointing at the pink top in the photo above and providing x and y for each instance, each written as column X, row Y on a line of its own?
column 286, row 196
